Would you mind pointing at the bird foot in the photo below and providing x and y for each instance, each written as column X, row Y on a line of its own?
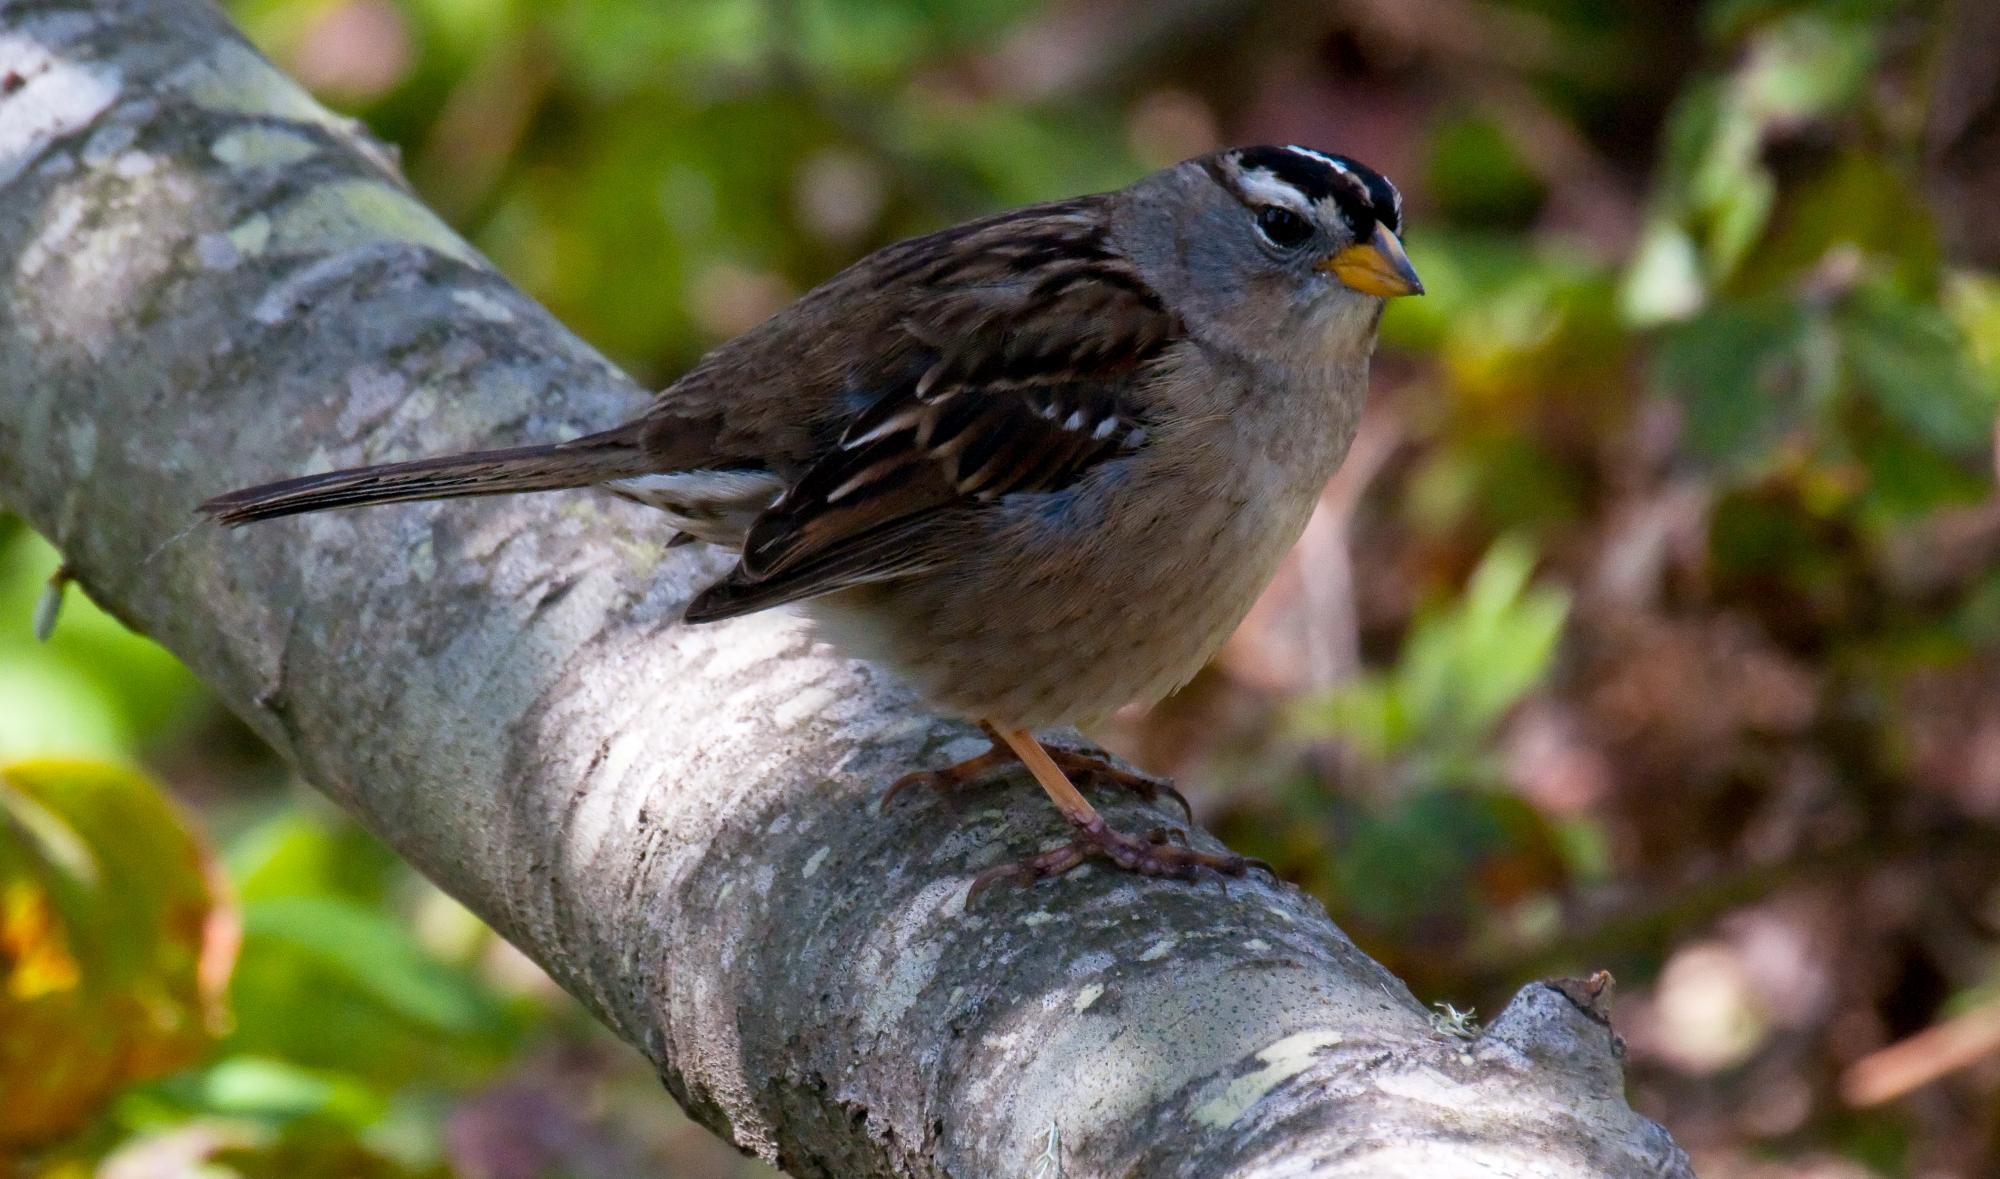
column 1160, row 852
column 1092, row 770
column 1087, row 769
column 953, row 776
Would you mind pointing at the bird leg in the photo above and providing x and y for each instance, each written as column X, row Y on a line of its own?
column 1096, row 771
column 1156, row 853
column 1078, row 766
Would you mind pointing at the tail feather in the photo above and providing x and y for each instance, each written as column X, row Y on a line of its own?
column 598, row 458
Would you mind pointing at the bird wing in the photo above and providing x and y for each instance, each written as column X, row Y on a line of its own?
column 1013, row 370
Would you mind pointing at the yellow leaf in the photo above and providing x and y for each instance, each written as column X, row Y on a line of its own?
column 115, row 944
column 32, row 944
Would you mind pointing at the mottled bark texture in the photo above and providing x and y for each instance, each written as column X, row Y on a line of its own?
column 207, row 280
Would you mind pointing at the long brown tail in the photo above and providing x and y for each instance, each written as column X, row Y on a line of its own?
column 597, row 458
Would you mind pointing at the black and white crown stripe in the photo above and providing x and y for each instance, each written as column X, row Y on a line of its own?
column 1375, row 184
column 1305, row 181
column 1261, row 186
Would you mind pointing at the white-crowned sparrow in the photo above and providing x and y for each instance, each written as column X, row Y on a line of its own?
column 1040, row 464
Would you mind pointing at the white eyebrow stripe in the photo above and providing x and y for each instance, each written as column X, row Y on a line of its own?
column 1329, row 161
column 1262, row 185
column 1332, row 206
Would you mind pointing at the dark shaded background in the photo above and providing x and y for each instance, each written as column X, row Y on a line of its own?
column 1653, row 624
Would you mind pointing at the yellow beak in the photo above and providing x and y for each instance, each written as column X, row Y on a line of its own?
column 1377, row 266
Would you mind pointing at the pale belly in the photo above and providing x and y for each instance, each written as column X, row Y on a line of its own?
column 1044, row 624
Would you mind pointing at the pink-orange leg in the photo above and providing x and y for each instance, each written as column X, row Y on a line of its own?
column 1078, row 767
column 1154, row 854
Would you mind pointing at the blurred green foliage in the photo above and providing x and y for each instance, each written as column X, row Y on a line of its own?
column 1462, row 669
column 1676, row 599
column 96, row 689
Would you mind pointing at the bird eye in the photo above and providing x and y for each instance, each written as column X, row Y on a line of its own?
column 1282, row 226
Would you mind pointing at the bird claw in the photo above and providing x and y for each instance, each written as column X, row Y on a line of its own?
column 951, row 777
column 1086, row 769
column 1094, row 770
column 1161, row 852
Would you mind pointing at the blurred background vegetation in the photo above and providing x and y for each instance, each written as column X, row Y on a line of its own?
column 1653, row 625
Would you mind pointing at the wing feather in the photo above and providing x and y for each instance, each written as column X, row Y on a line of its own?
column 1024, row 341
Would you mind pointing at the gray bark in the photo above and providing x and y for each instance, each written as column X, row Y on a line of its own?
column 206, row 280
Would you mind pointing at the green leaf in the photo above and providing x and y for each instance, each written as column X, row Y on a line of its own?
column 305, row 853
column 1736, row 218
column 1462, row 670
column 1911, row 360
column 1436, row 859
column 1475, row 173
column 1908, row 477
column 1806, row 66
column 49, row 708
column 1744, row 372
column 261, row 1087
column 1664, row 283
column 1857, row 202
column 1370, row 716
column 95, row 689
column 375, row 955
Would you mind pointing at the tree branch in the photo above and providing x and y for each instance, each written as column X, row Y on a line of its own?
column 208, row 280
